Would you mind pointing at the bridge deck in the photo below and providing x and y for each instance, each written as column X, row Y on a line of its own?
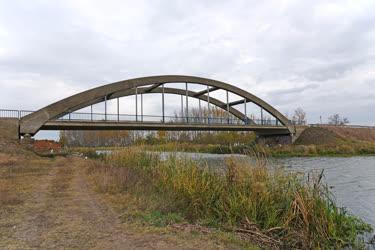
column 129, row 125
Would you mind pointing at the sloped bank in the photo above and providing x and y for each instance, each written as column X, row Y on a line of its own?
column 329, row 141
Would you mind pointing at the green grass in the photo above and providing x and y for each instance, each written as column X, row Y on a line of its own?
column 283, row 209
column 346, row 149
column 341, row 150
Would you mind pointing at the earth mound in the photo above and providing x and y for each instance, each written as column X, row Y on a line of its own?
column 318, row 136
column 365, row 134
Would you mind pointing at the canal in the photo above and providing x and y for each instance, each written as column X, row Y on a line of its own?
column 351, row 179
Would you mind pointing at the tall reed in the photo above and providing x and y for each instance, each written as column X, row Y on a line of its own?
column 286, row 209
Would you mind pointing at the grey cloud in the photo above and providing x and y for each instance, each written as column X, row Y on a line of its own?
column 292, row 54
column 293, row 90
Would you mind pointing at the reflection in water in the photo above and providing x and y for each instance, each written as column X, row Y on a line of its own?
column 353, row 180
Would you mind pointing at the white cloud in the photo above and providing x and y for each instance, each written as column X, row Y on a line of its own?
column 324, row 50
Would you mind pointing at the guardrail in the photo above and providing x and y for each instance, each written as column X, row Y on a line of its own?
column 12, row 113
column 76, row 116
column 343, row 125
column 79, row 116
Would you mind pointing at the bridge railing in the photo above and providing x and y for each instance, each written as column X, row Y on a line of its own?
column 340, row 125
column 103, row 117
column 77, row 116
column 12, row 113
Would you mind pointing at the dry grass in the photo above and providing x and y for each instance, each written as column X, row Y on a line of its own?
column 46, row 203
column 7, row 196
column 275, row 208
column 17, row 174
column 355, row 134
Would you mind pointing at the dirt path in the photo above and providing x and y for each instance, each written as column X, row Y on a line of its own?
column 64, row 213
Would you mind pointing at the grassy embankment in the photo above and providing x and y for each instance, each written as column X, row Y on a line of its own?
column 328, row 141
column 272, row 208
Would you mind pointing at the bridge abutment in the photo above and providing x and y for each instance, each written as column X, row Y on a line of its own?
column 10, row 128
column 274, row 139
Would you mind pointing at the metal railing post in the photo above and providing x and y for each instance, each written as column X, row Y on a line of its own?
column 208, row 104
column 227, row 106
column 142, row 107
column 105, row 108
column 245, row 111
column 136, row 104
column 163, row 107
column 182, row 108
column 200, row 111
column 118, row 109
column 187, row 103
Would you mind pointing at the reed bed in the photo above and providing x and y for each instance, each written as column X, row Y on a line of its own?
column 271, row 207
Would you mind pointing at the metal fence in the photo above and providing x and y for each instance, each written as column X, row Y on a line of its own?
column 11, row 113
column 76, row 116
column 107, row 117
column 342, row 125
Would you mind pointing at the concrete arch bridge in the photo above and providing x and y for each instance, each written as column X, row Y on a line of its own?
column 63, row 115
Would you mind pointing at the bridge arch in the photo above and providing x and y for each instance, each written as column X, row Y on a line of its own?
column 189, row 93
column 32, row 123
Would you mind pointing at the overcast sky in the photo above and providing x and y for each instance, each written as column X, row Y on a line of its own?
column 318, row 55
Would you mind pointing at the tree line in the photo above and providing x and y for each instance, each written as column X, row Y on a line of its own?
column 130, row 137
column 299, row 118
column 94, row 138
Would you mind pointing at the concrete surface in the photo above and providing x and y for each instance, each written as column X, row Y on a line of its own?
column 9, row 128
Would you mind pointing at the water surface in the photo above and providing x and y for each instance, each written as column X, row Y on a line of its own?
column 352, row 179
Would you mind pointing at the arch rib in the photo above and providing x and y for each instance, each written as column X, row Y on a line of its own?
column 31, row 123
column 190, row 93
